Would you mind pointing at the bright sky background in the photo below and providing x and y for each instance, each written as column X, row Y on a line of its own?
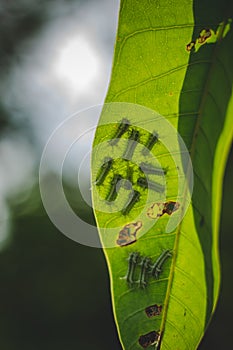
column 77, row 65
column 63, row 69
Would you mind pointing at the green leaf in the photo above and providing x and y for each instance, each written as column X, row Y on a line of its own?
column 172, row 73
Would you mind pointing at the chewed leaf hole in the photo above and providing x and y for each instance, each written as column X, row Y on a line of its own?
column 153, row 310
column 159, row 209
column 209, row 36
column 149, row 339
column 128, row 234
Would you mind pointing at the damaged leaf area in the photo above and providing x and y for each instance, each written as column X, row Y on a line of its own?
column 157, row 167
column 131, row 180
column 209, row 36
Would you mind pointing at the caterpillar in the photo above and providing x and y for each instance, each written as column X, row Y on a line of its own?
column 113, row 191
column 132, row 143
column 133, row 261
column 157, row 267
column 145, row 265
column 127, row 183
column 106, row 166
column 143, row 182
column 122, row 128
column 150, row 169
column 134, row 199
column 152, row 139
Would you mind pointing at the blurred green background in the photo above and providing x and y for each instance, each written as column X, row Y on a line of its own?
column 54, row 293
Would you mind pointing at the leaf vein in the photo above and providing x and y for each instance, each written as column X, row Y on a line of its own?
column 197, row 320
column 194, row 282
column 159, row 76
column 188, row 345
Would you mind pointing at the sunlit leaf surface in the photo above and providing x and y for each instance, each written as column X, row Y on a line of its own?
column 174, row 58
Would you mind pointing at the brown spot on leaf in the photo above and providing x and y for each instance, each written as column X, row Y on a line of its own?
column 159, row 209
column 190, row 46
column 153, row 310
column 148, row 339
column 204, row 35
column 155, row 210
column 128, row 234
column 170, row 207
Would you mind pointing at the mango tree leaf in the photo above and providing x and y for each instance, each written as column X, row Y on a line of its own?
column 172, row 75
